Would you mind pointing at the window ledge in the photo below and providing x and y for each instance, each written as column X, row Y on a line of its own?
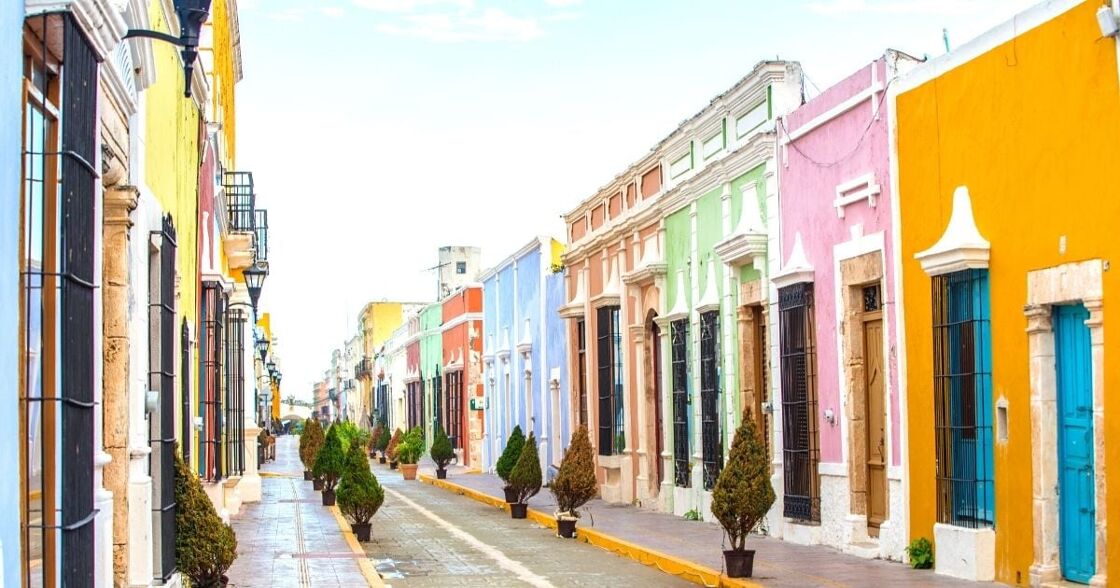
column 613, row 462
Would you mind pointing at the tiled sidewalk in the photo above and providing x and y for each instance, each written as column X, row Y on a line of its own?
column 289, row 538
column 777, row 563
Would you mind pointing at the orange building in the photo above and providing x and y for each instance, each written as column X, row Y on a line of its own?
column 462, row 373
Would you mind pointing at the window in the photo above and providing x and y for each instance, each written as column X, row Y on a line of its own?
column 679, row 334
column 185, row 390
column 460, row 267
column 413, row 404
column 439, row 408
column 454, row 408
column 612, row 439
column 800, row 445
column 581, row 343
column 210, row 382
column 161, row 378
column 710, row 437
column 235, row 392
column 962, row 388
column 56, row 299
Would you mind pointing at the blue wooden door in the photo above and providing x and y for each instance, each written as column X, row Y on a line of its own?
column 1077, row 519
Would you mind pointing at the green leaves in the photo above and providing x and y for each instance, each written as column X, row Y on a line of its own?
column 743, row 494
column 575, row 483
column 511, row 454
column 411, row 447
column 205, row 547
column 442, row 453
column 359, row 494
column 331, row 461
column 525, row 479
column 920, row 552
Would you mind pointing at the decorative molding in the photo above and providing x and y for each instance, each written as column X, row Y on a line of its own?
column 575, row 307
column 612, row 292
column 797, row 269
column 822, row 118
column 709, row 301
column 651, row 266
column 747, row 242
column 466, row 317
column 962, row 246
column 239, row 250
column 525, row 346
column 862, row 188
column 680, row 305
column 102, row 22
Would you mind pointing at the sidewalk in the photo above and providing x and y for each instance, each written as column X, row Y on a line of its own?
column 651, row 534
column 289, row 538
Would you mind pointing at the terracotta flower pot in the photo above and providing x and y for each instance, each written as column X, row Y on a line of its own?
column 518, row 510
column 566, row 528
column 316, row 484
column 361, row 531
column 328, row 497
column 306, row 475
column 409, row 470
column 511, row 496
column 740, row 564
column 441, row 474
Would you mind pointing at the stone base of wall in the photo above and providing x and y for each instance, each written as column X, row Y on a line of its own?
column 968, row 554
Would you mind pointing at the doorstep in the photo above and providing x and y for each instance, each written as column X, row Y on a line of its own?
column 669, row 564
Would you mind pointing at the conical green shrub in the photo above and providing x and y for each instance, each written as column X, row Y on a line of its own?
column 383, row 439
column 743, row 494
column 511, row 454
column 441, row 452
column 575, row 483
column 359, row 494
column 526, row 475
column 310, row 442
column 205, row 547
column 331, row 461
column 394, row 443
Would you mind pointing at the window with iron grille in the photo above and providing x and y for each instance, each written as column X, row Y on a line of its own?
column 210, row 382
column 581, row 343
column 962, row 389
column 711, row 440
column 413, row 405
column 612, row 440
column 800, row 443
column 235, row 392
column 679, row 334
column 185, row 390
column 241, row 199
column 161, row 379
column 454, row 408
column 57, row 261
column 439, row 416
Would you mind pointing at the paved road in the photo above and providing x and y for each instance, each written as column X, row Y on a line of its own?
column 426, row 536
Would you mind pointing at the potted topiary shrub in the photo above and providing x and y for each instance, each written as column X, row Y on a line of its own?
column 330, row 463
column 205, row 547
column 383, row 444
column 509, row 459
column 525, row 478
column 575, row 483
column 373, row 438
column 359, row 494
column 441, row 453
column 391, row 449
column 742, row 496
column 409, row 452
column 310, row 442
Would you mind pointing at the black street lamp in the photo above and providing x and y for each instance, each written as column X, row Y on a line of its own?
column 271, row 365
column 192, row 15
column 254, row 281
column 262, row 347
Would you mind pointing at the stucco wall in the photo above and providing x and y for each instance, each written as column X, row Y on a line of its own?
column 1031, row 127
column 11, row 75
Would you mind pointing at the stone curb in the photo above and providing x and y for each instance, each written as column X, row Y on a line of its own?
column 684, row 569
column 364, row 564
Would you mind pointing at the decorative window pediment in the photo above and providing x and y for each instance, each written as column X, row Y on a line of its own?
column 797, row 268
column 650, row 266
column 574, row 307
column 747, row 243
column 962, row 246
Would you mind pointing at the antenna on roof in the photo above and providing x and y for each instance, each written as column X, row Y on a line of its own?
column 945, row 37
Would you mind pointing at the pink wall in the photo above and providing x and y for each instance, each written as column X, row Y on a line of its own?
column 833, row 153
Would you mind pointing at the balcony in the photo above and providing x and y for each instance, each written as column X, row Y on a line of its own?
column 260, row 250
column 349, row 385
column 364, row 369
column 241, row 217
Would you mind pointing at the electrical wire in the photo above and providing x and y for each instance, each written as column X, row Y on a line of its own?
column 854, row 149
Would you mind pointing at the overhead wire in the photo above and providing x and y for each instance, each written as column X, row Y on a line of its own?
column 855, row 148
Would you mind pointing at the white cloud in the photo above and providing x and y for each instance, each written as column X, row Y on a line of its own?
column 491, row 24
column 407, row 6
column 929, row 7
column 332, row 11
column 563, row 3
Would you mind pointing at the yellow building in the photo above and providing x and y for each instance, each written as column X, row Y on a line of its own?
column 376, row 323
column 1008, row 208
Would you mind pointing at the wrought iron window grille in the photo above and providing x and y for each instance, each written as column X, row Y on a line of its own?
column 679, row 334
column 612, row 439
column 800, row 440
column 241, row 201
column 210, row 384
column 581, row 342
column 161, row 378
column 710, row 434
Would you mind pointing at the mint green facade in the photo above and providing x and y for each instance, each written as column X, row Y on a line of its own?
column 431, row 367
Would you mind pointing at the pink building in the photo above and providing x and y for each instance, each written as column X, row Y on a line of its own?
column 836, row 312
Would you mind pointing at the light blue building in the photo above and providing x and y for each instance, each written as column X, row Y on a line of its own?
column 11, row 113
column 525, row 368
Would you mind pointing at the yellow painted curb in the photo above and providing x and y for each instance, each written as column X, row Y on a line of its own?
column 669, row 564
column 280, row 475
column 364, row 564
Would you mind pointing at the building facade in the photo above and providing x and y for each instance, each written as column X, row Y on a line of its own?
column 461, row 348
column 458, row 266
column 525, row 359
column 1007, row 229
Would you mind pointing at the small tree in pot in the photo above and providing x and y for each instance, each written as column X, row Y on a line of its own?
column 525, row 478
column 329, row 464
column 205, row 547
column 509, row 459
column 391, row 449
column 374, row 437
column 359, row 494
column 441, row 453
column 409, row 452
column 310, row 442
column 383, row 443
column 575, row 483
column 743, row 495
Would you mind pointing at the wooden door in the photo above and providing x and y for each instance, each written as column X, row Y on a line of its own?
column 1077, row 507
column 876, row 439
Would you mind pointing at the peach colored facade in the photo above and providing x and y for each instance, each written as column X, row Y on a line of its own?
column 462, row 375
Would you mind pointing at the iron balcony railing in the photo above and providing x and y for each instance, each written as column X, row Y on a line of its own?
column 241, row 198
column 348, row 385
column 364, row 368
column 261, row 230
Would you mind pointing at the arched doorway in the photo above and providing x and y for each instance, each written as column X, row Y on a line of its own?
column 653, row 346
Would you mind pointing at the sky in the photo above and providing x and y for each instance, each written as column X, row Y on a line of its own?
column 380, row 130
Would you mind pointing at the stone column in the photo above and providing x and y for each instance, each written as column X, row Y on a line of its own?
column 249, row 487
column 637, row 341
column 1044, row 427
column 119, row 202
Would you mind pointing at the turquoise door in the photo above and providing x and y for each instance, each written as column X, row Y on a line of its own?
column 1077, row 514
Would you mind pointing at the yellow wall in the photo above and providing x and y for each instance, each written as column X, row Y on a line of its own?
column 224, row 79
column 1033, row 129
column 378, row 320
